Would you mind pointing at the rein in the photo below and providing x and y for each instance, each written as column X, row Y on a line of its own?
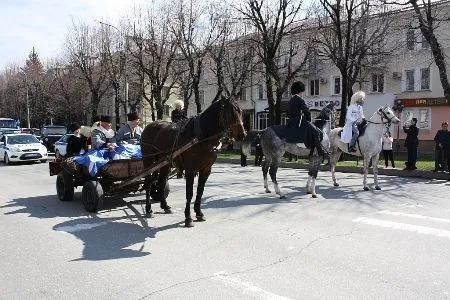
column 382, row 116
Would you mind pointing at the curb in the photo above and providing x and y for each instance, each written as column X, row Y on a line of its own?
column 381, row 170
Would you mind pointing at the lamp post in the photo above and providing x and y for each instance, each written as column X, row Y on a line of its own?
column 398, row 108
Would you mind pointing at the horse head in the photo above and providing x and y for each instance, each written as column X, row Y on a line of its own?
column 231, row 118
column 387, row 115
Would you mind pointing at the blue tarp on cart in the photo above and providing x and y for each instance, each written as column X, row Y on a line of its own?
column 96, row 159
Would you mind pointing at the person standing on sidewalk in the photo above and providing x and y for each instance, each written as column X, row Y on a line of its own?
column 440, row 158
column 387, row 148
column 411, row 143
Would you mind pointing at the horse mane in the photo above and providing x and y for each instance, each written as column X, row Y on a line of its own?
column 324, row 116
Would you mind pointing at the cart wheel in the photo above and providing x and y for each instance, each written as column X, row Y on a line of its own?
column 92, row 196
column 64, row 186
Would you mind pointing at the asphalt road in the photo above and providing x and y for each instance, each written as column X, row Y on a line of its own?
column 345, row 244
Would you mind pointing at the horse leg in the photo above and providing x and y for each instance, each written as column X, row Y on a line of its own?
column 314, row 163
column 202, row 178
column 162, row 182
column 334, row 158
column 189, row 194
column 148, row 204
column 273, row 175
column 265, row 170
column 375, row 171
column 308, row 185
column 366, row 169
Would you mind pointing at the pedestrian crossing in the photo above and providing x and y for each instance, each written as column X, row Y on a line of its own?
column 433, row 229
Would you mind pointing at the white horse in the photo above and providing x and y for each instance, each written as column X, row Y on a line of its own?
column 368, row 145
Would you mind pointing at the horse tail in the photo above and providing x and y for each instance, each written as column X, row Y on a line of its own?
column 248, row 140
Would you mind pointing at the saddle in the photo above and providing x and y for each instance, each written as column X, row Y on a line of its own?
column 361, row 128
column 306, row 134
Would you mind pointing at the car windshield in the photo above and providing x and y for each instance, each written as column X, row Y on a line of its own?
column 55, row 130
column 8, row 123
column 22, row 139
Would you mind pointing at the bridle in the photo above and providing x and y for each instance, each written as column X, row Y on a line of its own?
column 383, row 116
column 224, row 124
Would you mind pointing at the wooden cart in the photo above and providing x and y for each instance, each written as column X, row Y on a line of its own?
column 117, row 177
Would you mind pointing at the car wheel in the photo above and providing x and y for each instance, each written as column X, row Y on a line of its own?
column 7, row 161
column 43, row 161
column 57, row 154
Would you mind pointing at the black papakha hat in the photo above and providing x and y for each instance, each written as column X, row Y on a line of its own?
column 105, row 119
column 132, row 116
column 73, row 127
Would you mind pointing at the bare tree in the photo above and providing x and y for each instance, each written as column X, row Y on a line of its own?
column 232, row 56
column 154, row 48
column 275, row 24
column 429, row 16
column 85, row 50
column 347, row 33
column 193, row 25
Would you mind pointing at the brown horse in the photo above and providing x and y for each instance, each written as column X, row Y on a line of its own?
column 160, row 139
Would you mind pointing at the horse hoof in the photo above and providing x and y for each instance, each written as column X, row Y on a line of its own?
column 200, row 218
column 149, row 215
column 336, row 184
column 168, row 211
column 268, row 191
column 282, row 197
column 378, row 188
column 308, row 192
column 314, row 196
column 188, row 223
column 366, row 188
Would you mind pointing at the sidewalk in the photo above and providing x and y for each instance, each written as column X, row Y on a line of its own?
column 381, row 170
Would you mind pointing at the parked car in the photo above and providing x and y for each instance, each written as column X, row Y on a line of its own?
column 50, row 134
column 21, row 147
column 61, row 146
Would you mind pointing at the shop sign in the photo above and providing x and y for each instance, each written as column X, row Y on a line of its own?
column 425, row 102
column 319, row 104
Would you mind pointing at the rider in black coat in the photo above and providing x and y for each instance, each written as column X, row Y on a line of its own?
column 300, row 119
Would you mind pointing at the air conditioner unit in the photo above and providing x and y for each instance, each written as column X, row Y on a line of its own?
column 397, row 75
column 323, row 80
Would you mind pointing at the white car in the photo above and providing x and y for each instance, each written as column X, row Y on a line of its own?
column 21, row 147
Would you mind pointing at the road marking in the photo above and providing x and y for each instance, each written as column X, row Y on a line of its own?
column 247, row 287
column 403, row 226
column 79, row 227
column 396, row 213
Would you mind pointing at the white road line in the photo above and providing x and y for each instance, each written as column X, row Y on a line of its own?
column 247, row 287
column 396, row 213
column 403, row 226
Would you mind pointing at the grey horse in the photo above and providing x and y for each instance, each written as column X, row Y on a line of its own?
column 274, row 147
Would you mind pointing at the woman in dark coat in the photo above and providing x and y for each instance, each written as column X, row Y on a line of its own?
column 411, row 143
column 76, row 143
column 178, row 113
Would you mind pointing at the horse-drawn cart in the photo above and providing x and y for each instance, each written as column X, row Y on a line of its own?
column 117, row 177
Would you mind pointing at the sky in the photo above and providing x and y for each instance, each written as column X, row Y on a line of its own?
column 43, row 24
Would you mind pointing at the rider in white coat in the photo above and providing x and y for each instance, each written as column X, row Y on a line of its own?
column 353, row 117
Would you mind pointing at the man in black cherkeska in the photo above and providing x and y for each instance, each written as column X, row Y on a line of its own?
column 299, row 122
column 411, row 143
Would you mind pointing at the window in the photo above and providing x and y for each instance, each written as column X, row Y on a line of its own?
column 425, row 44
column 260, row 92
column 409, row 84
column 286, row 93
column 425, row 79
column 166, row 111
column 378, row 83
column 243, row 95
column 422, row 115
column 314, row 87
column 263, row 119
column 165, row 92
column 202, row 97
column 337, row 85
column 410, row 39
